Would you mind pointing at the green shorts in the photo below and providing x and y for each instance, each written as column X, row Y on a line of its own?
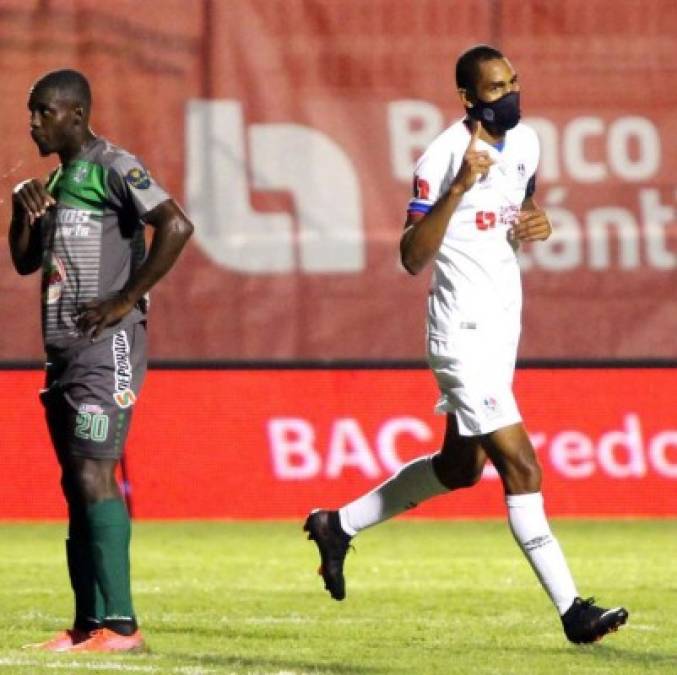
column 90, row 393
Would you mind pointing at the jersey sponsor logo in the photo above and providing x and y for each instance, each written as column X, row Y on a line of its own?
column 125, row 399
column 53, row 277
column 485, row 220
column 76, row 231
column 123, row 395
column 73, row 223
column 138, row 178
column 508, row 214
column 72, row 216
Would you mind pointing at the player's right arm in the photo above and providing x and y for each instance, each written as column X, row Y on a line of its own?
column 424, row 232
column 30, row 201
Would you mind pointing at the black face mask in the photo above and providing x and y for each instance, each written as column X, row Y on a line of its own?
column 502, row 114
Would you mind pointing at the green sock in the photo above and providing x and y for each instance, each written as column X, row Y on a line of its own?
column 110, row 533
column 89, row 604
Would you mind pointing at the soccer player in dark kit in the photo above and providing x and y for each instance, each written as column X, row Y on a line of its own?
column 84, row 227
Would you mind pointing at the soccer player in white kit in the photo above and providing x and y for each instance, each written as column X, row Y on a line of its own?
column 473, row 204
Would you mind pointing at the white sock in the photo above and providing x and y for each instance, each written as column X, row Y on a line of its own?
column 532, row 532
column 413, row 483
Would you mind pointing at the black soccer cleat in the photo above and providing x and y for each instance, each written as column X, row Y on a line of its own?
column 324, row 528
column 584, row 622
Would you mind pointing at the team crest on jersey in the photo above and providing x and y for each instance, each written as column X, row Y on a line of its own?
column 521, row 169
column 123, row 395
column 491, row 406
column 53, row 278
column 80, row 174
column 138, row 178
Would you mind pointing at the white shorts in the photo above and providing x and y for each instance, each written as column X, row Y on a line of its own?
column 474, row 371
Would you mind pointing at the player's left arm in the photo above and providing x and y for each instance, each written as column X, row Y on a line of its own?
column 172, row 229
column 532, row 223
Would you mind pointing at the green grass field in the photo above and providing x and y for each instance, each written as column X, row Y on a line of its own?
column 423, row 597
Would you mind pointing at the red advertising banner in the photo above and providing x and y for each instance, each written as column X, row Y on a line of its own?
column 276, row 443
column 289, row 130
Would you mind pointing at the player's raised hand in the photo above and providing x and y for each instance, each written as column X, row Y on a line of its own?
column 475, row 162
column 531, row 225
column 31, row 199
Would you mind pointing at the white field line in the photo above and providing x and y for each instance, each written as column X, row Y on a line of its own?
column 103, row 665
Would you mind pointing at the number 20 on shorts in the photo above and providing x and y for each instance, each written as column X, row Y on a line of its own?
column 92, row 427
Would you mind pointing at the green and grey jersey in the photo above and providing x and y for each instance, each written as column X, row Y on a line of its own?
column 93, row 239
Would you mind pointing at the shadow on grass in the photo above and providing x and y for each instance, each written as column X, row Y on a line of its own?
column 608, row 654
column 252, row 663
column 611, row 652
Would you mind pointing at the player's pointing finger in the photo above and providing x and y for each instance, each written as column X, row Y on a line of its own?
column 475, row 134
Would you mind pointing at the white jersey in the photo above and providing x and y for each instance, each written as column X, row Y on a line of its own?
column 476, row 277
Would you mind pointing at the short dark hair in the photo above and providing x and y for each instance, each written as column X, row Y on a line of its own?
column 467, row 66
column 70, row 82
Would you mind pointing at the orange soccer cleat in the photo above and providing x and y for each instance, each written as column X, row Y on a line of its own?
column 62, row 641
column 106, row 640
